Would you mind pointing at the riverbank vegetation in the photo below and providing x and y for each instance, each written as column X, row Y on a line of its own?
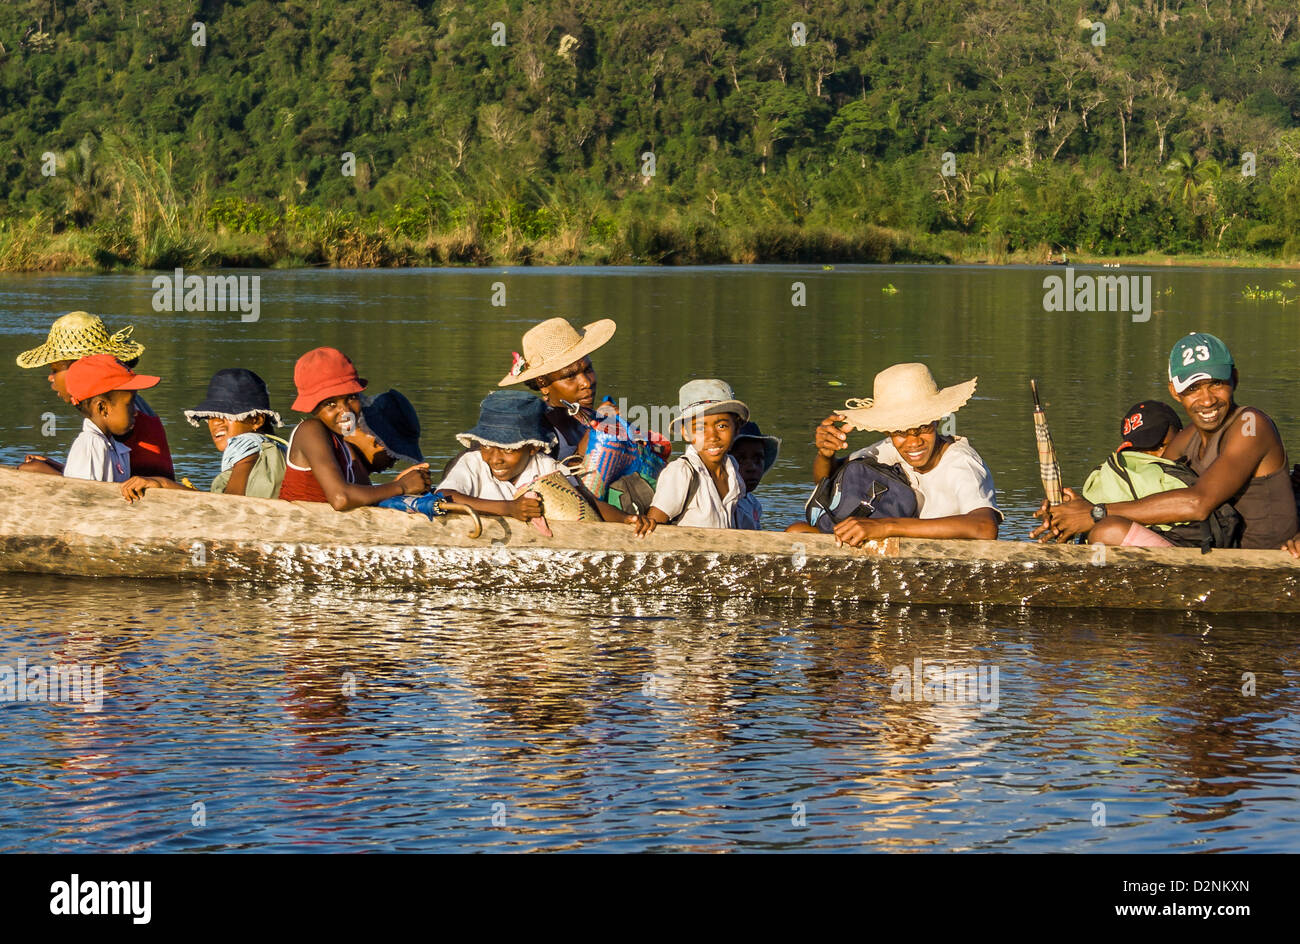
column 396, row 133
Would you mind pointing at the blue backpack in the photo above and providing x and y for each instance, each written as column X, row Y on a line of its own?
column 860, row 488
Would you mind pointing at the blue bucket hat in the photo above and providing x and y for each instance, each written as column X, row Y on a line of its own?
column 771, row 445
column 235, row 394
column 392, row 418
column 511, row 419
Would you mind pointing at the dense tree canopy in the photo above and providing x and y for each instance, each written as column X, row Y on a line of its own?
column 1105, row 127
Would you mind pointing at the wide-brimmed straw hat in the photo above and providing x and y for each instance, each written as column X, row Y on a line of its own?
column 771, row 444
column 554, row 345
column 511, row 419
column 80, row 334
column 321, row 374
column 707, row 397
column 905, row 396
column 234, row 394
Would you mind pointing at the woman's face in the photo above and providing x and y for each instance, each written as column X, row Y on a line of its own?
column 576, row 384
column 916, row 445
column 223, row 430
column 340, row 413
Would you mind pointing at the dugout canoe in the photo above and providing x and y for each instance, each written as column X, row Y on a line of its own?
column 55, row 526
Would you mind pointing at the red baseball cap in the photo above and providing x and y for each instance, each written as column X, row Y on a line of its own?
column 101, row 373
column 322, row 374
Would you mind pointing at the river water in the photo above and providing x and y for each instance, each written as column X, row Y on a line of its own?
column 288, row 718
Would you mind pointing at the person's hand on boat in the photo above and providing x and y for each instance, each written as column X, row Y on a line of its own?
column 831, row 436
column 857, row 531
column 135, row 487
column 1292, row 546
column 1061, row 523
column 641, row 524
column 525, row 507
column 415, row 480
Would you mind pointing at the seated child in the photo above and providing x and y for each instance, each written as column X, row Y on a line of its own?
column 240, row 421
column 321, row 465
column 103, row 389
column 508, row 448
column 80, row 334
column 755, row 454
column 1139, row 468
column 702, row 488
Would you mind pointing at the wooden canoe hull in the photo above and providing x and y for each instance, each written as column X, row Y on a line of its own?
column 52, row 525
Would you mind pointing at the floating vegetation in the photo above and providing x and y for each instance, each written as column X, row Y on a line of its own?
column 1287, row 284
column 889, row 289
column 1257, row 293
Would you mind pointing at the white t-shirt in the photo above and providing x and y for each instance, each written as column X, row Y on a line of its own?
column 471, row 476
column 959, row 484
column 707, row 508
column 97, row 456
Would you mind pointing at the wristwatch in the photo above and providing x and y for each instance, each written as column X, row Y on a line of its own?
column 1098, row 512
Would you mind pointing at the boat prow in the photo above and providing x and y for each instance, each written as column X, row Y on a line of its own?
column 59, row 526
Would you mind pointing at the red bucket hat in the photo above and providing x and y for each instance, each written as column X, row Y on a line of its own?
column 322, row 374
column 101, row 373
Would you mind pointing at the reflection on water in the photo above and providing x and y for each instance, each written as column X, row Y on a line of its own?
column 326, row 721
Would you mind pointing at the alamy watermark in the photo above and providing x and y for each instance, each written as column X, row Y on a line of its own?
column 72, row 683
column 181, row 292
column 1130, row 294
column 949, row 684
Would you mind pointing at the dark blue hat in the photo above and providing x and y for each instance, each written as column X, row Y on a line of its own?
column 771, row 445
column 394, row 421
column 235, row 394
column 511, row 419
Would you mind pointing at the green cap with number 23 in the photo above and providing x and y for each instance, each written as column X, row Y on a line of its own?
column 1198, row 357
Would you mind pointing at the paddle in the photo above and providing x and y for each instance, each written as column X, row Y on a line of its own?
column 1049, row 470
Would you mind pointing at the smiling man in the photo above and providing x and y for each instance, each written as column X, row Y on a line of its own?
column 1235, row 450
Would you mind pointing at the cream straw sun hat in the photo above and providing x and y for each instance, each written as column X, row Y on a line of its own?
column 80, row 334
column 554, row 345
column 905, row 396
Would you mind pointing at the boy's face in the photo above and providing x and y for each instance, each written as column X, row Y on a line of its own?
column 506, row 464
column 223, row 430
column 340, row 413
column 576, row 384
column 712, row 435
column 916, row 445
column 115, row 412
column 59, row 379
column 749, row 455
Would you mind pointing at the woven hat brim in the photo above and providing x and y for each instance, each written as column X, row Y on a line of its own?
column 65, row 349
column 888, row 418
column 594, row 336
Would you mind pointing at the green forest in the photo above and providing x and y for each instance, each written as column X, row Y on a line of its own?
column 386, row 132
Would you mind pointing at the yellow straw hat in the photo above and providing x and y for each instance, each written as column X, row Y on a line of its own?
column 80, row 334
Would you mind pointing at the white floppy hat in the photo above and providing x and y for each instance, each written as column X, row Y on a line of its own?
column 707, row 397
column 554, row 345
column 903, row 397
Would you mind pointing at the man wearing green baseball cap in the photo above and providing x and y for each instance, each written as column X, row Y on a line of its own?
column 1235, row 450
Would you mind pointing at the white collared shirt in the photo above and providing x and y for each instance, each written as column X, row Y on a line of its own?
column 707, row 509
column 97, row 456
column 471, row 476
column 959, row 484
